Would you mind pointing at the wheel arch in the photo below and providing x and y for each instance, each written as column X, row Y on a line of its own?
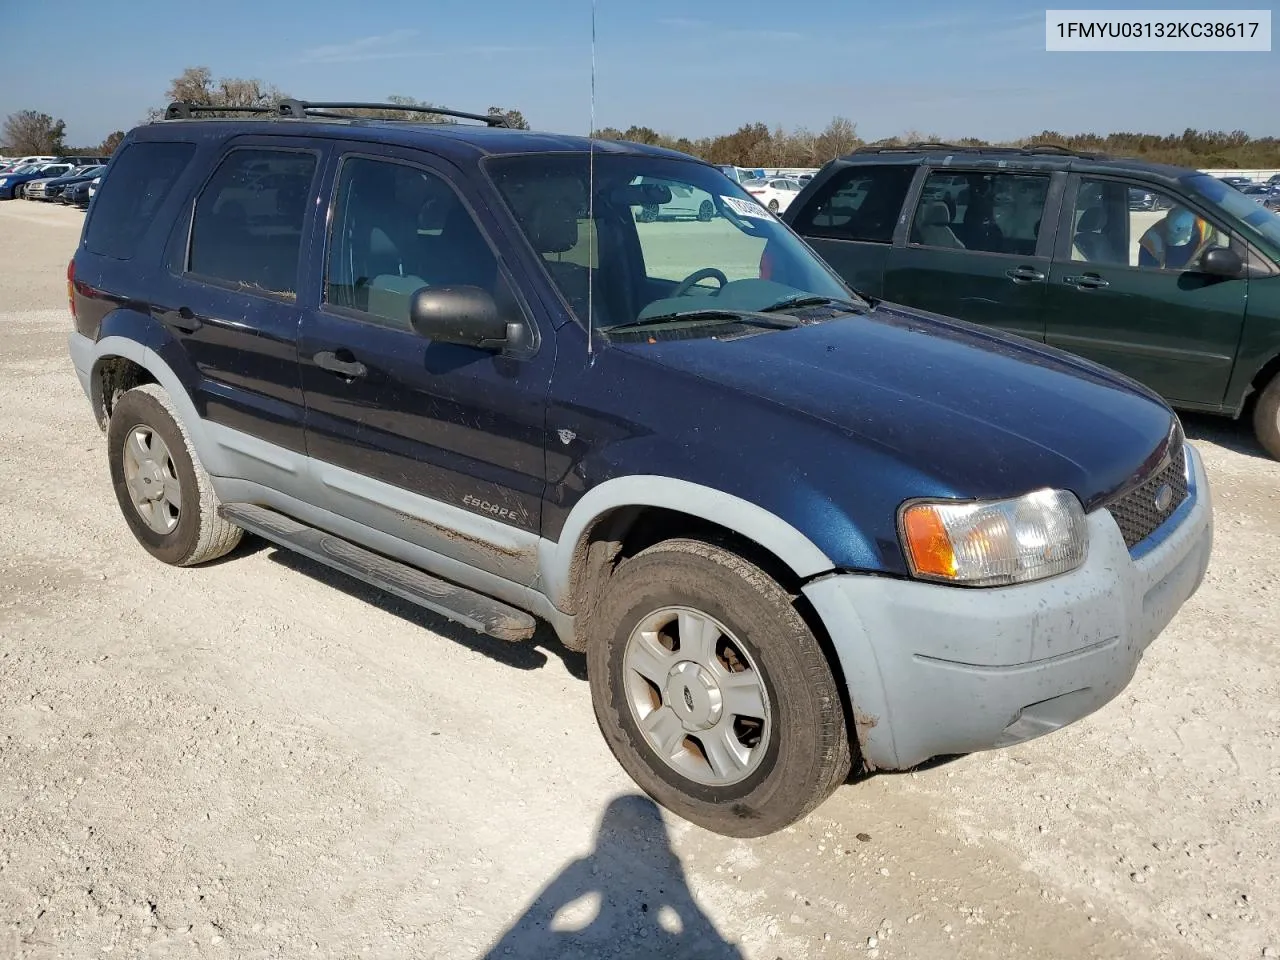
column 121, row 363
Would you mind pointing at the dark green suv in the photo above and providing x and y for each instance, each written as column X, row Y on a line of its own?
column 1163, row 273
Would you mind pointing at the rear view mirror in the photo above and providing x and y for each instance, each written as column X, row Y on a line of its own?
column 462, row 315
column 1222, row 262
column 642, row 195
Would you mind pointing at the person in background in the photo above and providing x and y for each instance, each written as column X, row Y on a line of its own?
column 1176, row 240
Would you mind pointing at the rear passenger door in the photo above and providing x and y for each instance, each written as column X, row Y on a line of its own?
column 978, row 248
column 234, row 313
column 436, row 444
column 850, row 219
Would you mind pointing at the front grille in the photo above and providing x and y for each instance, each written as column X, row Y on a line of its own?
column 1137, row 513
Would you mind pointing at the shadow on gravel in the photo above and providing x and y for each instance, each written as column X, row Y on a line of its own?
column 1234, row 435
column 530, row 655
column 627, row 898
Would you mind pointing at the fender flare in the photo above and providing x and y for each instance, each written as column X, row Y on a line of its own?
column 793, row 548
column 209, row 452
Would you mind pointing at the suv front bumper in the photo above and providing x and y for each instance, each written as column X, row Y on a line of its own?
column 934, row 670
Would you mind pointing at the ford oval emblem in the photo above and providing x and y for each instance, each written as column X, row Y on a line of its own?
column 1164, row 497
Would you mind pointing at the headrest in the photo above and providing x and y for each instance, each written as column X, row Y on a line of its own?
column 1092, row 220
column 935, row 214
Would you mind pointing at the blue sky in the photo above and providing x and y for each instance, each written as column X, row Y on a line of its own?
column 691, row 68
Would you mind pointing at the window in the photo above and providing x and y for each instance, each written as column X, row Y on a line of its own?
column 123, row 208
column 1119, row 225
column 247, row 226
column 982, row 212
column 860, row 203
column 397, row 229
column 734, row 250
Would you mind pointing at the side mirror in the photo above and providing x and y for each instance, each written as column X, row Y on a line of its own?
column 463, row 315
column 1222, row 262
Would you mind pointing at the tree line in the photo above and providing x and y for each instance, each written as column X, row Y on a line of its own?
column 751, row 145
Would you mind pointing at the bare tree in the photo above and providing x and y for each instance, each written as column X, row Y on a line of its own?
column 111, row 143
column 197, row 85
column 29, row 131
column 839, row 137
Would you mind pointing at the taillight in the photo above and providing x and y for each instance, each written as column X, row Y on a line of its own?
column 71, row 286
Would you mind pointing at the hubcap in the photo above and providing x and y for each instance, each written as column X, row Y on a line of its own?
column 151, row 479
column 697, row 696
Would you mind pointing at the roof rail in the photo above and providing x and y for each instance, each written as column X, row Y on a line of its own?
column 303, row 108
column 930, row 146
column 185, row 109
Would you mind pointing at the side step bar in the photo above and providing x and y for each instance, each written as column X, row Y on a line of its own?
column 480, row 613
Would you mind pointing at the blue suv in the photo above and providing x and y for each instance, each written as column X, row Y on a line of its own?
column 799, row 534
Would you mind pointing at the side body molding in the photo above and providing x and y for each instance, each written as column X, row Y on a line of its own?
column 743, row 517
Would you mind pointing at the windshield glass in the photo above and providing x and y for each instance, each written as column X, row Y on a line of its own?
column 669, row 237
column 1239, row 205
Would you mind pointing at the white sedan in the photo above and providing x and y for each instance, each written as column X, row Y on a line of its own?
column 776, row 193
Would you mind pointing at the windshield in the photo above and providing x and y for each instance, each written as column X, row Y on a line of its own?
column 1239, row 206
column 670, row 237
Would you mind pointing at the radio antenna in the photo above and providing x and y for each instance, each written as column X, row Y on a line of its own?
column 591, row 191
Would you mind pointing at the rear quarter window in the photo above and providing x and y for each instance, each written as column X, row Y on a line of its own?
column 858, row 203
column 129, row 197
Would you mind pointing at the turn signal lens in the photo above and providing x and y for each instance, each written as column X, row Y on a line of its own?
column 995, row 543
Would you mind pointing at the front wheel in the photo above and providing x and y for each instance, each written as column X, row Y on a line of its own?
column 773, row 206
column 165, row 494
column 713, row 693
column 1266, row 417
column 706, row 210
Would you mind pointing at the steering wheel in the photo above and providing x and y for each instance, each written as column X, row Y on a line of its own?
column 684, row 285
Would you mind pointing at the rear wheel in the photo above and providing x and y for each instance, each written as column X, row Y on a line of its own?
column 706, row 210
column 1266, row 417
column 712, row 691
column 164, row 493
column 773, row 206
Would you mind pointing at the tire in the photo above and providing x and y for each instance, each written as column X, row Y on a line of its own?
column 773, row 206
column 648, row 214
column 20, row 192
column 1266, row 417
column 800, row 752
column 706, row 210
column 184, row 533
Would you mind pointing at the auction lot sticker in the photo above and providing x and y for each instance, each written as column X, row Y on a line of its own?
column 747, row 208
column 1171, row 31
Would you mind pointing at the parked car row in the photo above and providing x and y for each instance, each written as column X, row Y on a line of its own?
column 44, row 179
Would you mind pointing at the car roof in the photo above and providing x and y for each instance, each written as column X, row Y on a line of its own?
column 454, row 140
column 1039, row 157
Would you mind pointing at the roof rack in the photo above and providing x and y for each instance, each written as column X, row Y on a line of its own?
column 931, row 146
column 301, row 109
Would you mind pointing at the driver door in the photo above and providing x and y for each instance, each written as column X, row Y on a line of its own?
column 1173, row 329
column 436, row 444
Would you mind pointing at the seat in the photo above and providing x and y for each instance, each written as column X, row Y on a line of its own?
column 933, row 227
column 1090, row 243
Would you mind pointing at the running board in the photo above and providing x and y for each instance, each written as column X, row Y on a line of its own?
column 480, row 613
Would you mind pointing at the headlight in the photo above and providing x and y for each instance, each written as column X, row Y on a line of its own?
column 995, row 542
column 4, row 181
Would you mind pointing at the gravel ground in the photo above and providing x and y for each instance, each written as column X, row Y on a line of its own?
column 260, row 758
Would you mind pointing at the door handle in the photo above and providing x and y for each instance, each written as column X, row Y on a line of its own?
column 1087, row 281
column 1024, row 275
column 184, row 319
column 328, row 360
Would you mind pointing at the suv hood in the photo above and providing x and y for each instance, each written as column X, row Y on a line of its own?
column 984, row 414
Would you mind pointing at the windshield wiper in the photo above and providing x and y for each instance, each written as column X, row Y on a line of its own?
column 755, row 318
column 812, row 300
